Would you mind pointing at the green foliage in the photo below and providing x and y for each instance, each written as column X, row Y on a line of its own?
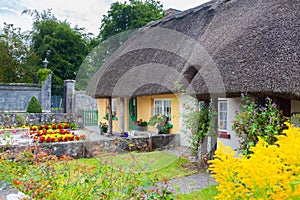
column 161, row 123
column 43, row 74
column 103, row 127
column 204, row 194
column 6, row 139
column 295, row 119
column 200, row 123
column 141, row 122
column 73, row 126
column 129, row 15
column 43, row 176
column 34, row 106
column 64, row 47
column 17, row 58
column 98, row 56
column 113, row 117
column 254, row 121
column 20, row 119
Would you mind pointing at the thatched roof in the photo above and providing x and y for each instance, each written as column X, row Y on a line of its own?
column 219, row 48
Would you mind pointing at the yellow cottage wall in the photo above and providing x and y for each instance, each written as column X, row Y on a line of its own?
column 145, row 110
column 102, row 105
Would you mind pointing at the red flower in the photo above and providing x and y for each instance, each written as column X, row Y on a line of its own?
column 77, row 137
column 66, row 125
column 46, row 127
column 42, row 139
column 71, row 138
column 53, row 126
column 136, row 123
column 59, row 126
column 17, row 182
column 53, row 140
column 163, row 123
column 41, row 127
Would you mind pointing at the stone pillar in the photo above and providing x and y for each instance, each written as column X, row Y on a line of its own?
column 69, row 92
column 46, row 94
column 109, row 107
column 122, row 114
column 214, row 138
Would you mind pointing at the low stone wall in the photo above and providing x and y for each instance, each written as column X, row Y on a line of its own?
column 88, row 149
column 11, row 119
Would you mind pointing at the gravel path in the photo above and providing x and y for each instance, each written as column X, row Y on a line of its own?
column 191, row 183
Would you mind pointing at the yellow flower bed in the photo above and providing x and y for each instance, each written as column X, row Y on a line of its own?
column 271, row 172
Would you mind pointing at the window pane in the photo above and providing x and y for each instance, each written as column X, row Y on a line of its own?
column 114, row 105
column 162, row 106
column 222, row 115
column 157, row 107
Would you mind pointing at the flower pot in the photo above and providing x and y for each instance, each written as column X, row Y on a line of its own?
column 141, row 128
column 161, row 132
column 103, row 131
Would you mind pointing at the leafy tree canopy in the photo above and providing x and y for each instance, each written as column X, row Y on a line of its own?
column 17, row 58
column 129, row 15
column 64, row 47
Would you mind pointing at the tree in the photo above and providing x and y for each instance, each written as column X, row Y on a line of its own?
column 68, row 47
column 34, row 106
column 18, row 62
column 126, row 16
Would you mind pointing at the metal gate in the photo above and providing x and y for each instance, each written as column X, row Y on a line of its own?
column 90, row 117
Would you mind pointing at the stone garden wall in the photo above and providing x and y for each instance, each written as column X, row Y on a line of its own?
column 88, row 149
column 14, row 97
column 14, row 119
column 82, row 102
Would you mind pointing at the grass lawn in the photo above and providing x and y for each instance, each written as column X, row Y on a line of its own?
column 156, row 166
column 204, row 194
column 109, row 176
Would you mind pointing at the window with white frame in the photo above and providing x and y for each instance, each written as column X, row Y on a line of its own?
column 114, row 106
column 162, row 106
column 222, row 115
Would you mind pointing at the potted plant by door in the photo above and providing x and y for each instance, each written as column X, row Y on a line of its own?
column 161, row 123
column 103, row 128
column 141, row 125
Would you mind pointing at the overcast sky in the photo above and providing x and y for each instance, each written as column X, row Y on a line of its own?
column 84, row 13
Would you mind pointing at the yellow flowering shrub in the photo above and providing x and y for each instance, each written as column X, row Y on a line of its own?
column 271, row 172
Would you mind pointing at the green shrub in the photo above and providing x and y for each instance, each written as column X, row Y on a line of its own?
column 20, row 119
column 43, row 74
column 254, row 121
column 34, row 106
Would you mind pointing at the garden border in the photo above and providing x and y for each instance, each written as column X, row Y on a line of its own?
column 89, row 149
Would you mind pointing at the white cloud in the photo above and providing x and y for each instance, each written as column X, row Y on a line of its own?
column 182, row 5
column 84, row 13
